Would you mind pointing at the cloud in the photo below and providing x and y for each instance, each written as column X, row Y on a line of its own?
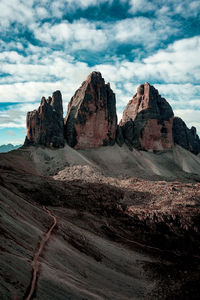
column 33, row 91
column 86, row 3
column 16, row 11
column 141, row 6
column 33, row 11
column 16, row 116
column 184, row 8
column 180, row 95
column 98, row 36
column 43, row 71
column 74, row 36
column 43, row 50
column 149, row 32
column 178, row 63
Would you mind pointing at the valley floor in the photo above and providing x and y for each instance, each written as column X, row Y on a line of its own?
column 115, row 237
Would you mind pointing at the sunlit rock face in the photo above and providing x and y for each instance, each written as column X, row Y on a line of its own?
column 185, row 137
column 147, row 121
column 91, row 118
column 45, row 125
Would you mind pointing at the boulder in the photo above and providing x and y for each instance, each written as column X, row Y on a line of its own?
column 91, row 119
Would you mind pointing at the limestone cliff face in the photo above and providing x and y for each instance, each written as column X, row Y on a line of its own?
column 185, row 137
column 45, row 125
column 147, row 120
column 147, row 123
column 91, row 119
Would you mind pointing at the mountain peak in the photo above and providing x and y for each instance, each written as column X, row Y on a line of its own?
column 91, row 119
column 95, row 74
column 147, row 103
column 45, row 125
column 147, row 123
column 147, row 120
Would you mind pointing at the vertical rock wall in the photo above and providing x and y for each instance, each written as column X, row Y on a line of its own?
column 147, row 120
column 45, row 125
column 91, row 118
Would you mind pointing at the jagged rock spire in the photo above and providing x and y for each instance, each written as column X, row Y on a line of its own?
column 91, row 119
column 45, row 125
column 147, row 123
column 147, row 120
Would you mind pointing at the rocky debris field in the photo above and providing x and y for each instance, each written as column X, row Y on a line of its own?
column 156, row 219
column 116, row 237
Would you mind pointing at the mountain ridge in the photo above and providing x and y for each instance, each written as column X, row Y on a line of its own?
column 148, row 121
column 8, row 147
column 127, row 222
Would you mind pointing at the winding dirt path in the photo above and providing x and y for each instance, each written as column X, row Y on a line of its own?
column 38, row 253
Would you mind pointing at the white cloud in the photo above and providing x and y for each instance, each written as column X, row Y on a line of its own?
column 16, row 116
column 41, row 12
column 97, row 36
column 54, row 66
column 178, row 63
column 42, row 71
column 143, row 31
column 33, row 91
column 185, row 8
column 86, row 3
column 11, row 57
column 195, row 103
column 74, row 36
column 141, row 6
column 179, row 93
column 15, row 10
column 55, row 34
column 33, row 11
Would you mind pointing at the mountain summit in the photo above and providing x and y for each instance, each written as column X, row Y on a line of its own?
column 91, row 118
column 45, row 125
column 147, row 120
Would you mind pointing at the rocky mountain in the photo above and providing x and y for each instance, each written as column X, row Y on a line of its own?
column 147, row 123
column 82, row 221
column 8, row 147
column 91, row 118
column 45, row 125
column 185, row 137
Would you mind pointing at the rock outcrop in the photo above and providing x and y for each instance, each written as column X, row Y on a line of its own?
column 185, row 137
column 147, row 121
column 91, row 119
column 45, row 125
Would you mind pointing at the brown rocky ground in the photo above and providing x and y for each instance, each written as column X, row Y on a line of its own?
column 119, row 237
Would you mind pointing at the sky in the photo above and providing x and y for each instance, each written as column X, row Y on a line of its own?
column 48, row 45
